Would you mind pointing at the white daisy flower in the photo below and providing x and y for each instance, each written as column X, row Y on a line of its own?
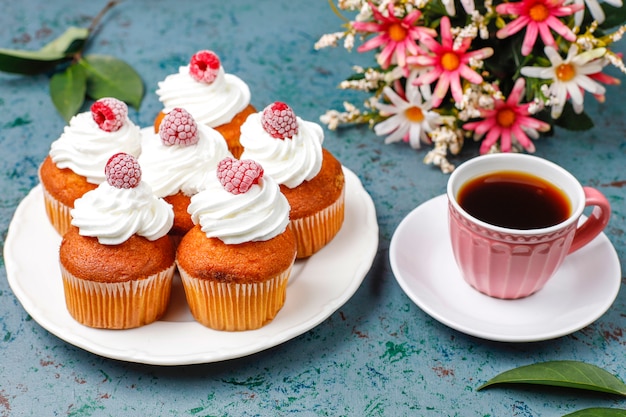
column 411, row 119
column 594, row 7
column 569, row 76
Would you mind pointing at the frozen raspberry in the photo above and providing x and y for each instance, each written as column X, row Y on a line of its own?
column 178, row 128
column 204, row 66
column 109, row 113
column 279, row 121
column 237, row 176
column 123, row 171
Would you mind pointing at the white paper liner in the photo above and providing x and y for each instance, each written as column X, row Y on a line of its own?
column 234, row 306
column 118, row 305
column 57, row 212
column 317, row 230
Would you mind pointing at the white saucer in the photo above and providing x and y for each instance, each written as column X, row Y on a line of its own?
column 318, row 287
column 422, row 261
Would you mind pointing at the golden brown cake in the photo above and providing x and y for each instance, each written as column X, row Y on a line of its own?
column 235, row 287
column 290, row 150
column 117, row 271
column 317, row 207
column 213, row 97
column 75, row 163
column 236, row 261
column 60, row 188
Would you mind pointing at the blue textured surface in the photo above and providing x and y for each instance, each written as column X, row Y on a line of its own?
column 379, row 355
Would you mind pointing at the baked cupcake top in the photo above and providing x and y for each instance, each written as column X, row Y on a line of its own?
column 182, row 155
column 205, row 90
column 289, row 148
column 240, row 204
column 92, row 137
column 122, row 206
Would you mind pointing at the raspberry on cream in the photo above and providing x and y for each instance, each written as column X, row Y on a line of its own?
column 256, row 212
column 122, row 206
column 211, row 96
column 92, row 137
column 290, row 157
column 172, row 163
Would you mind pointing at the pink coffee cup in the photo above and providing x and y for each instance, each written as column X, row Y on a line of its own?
column 513, row 263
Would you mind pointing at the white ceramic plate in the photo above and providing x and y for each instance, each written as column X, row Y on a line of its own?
column 422, row 261
column 317, row 288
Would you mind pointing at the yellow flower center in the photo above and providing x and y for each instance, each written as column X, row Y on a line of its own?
column 565, row 72
column 538, row 12
column 414, row 114
column 397, row 32
column 505, row 117
column 450, row 61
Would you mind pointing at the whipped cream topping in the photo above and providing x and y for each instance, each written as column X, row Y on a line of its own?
column 212, row 104
column 85, row 148
column 170, row 169
column 259, row 214
column 289, row 161
column 113, row 214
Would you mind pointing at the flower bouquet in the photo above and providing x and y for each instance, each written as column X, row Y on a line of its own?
column 500, row 72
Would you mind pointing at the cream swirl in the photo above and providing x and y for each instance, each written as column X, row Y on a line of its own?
column 289, row 161
column 212, row 104
column 170, row 169
column 259, row 214
column 113, row 214
column 85, row 148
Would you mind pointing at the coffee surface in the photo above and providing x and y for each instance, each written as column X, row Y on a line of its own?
column 515, row 200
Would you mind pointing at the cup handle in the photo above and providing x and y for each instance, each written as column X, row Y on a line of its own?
column 596, row 222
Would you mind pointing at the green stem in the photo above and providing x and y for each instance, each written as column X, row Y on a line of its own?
column 96, row 20
column 335, row 10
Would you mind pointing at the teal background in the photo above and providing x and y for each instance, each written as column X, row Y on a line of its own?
column 379, row 354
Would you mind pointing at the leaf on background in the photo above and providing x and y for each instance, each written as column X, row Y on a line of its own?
column 108, row 76
column 598, row 412
column 571, row 121
column 70, row 42
column 615, row 16
column 568, row 374
column 45, row 59
column 67, row 90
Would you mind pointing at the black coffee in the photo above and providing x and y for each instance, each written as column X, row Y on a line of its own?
column 515, row 200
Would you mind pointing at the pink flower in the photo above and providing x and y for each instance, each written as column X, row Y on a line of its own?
column 538, row 17
column 448, row 64
column 508, row 121
column 396, row 37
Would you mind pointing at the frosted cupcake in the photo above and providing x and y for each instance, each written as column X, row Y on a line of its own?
column 75, row 163
column 177, row 161
column 236, row 261
column 213, row 97
column 117, row 260
column 290, row 151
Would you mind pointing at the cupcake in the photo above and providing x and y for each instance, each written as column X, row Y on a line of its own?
column 75, row 163
column 214, row 98
column 290, row 151
column 236, row 261
column 177, row 160
column 117, row 260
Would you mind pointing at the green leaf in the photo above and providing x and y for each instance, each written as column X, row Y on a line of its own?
column 45, row 59
column 615, row 16
column 598, row 412
column 108, row 76
column 67, row 90
column 70, row 42
column 569, row 374
column 571, row 121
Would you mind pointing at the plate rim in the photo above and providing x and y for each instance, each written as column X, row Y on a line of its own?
column 357, row 198
column 611, row 293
